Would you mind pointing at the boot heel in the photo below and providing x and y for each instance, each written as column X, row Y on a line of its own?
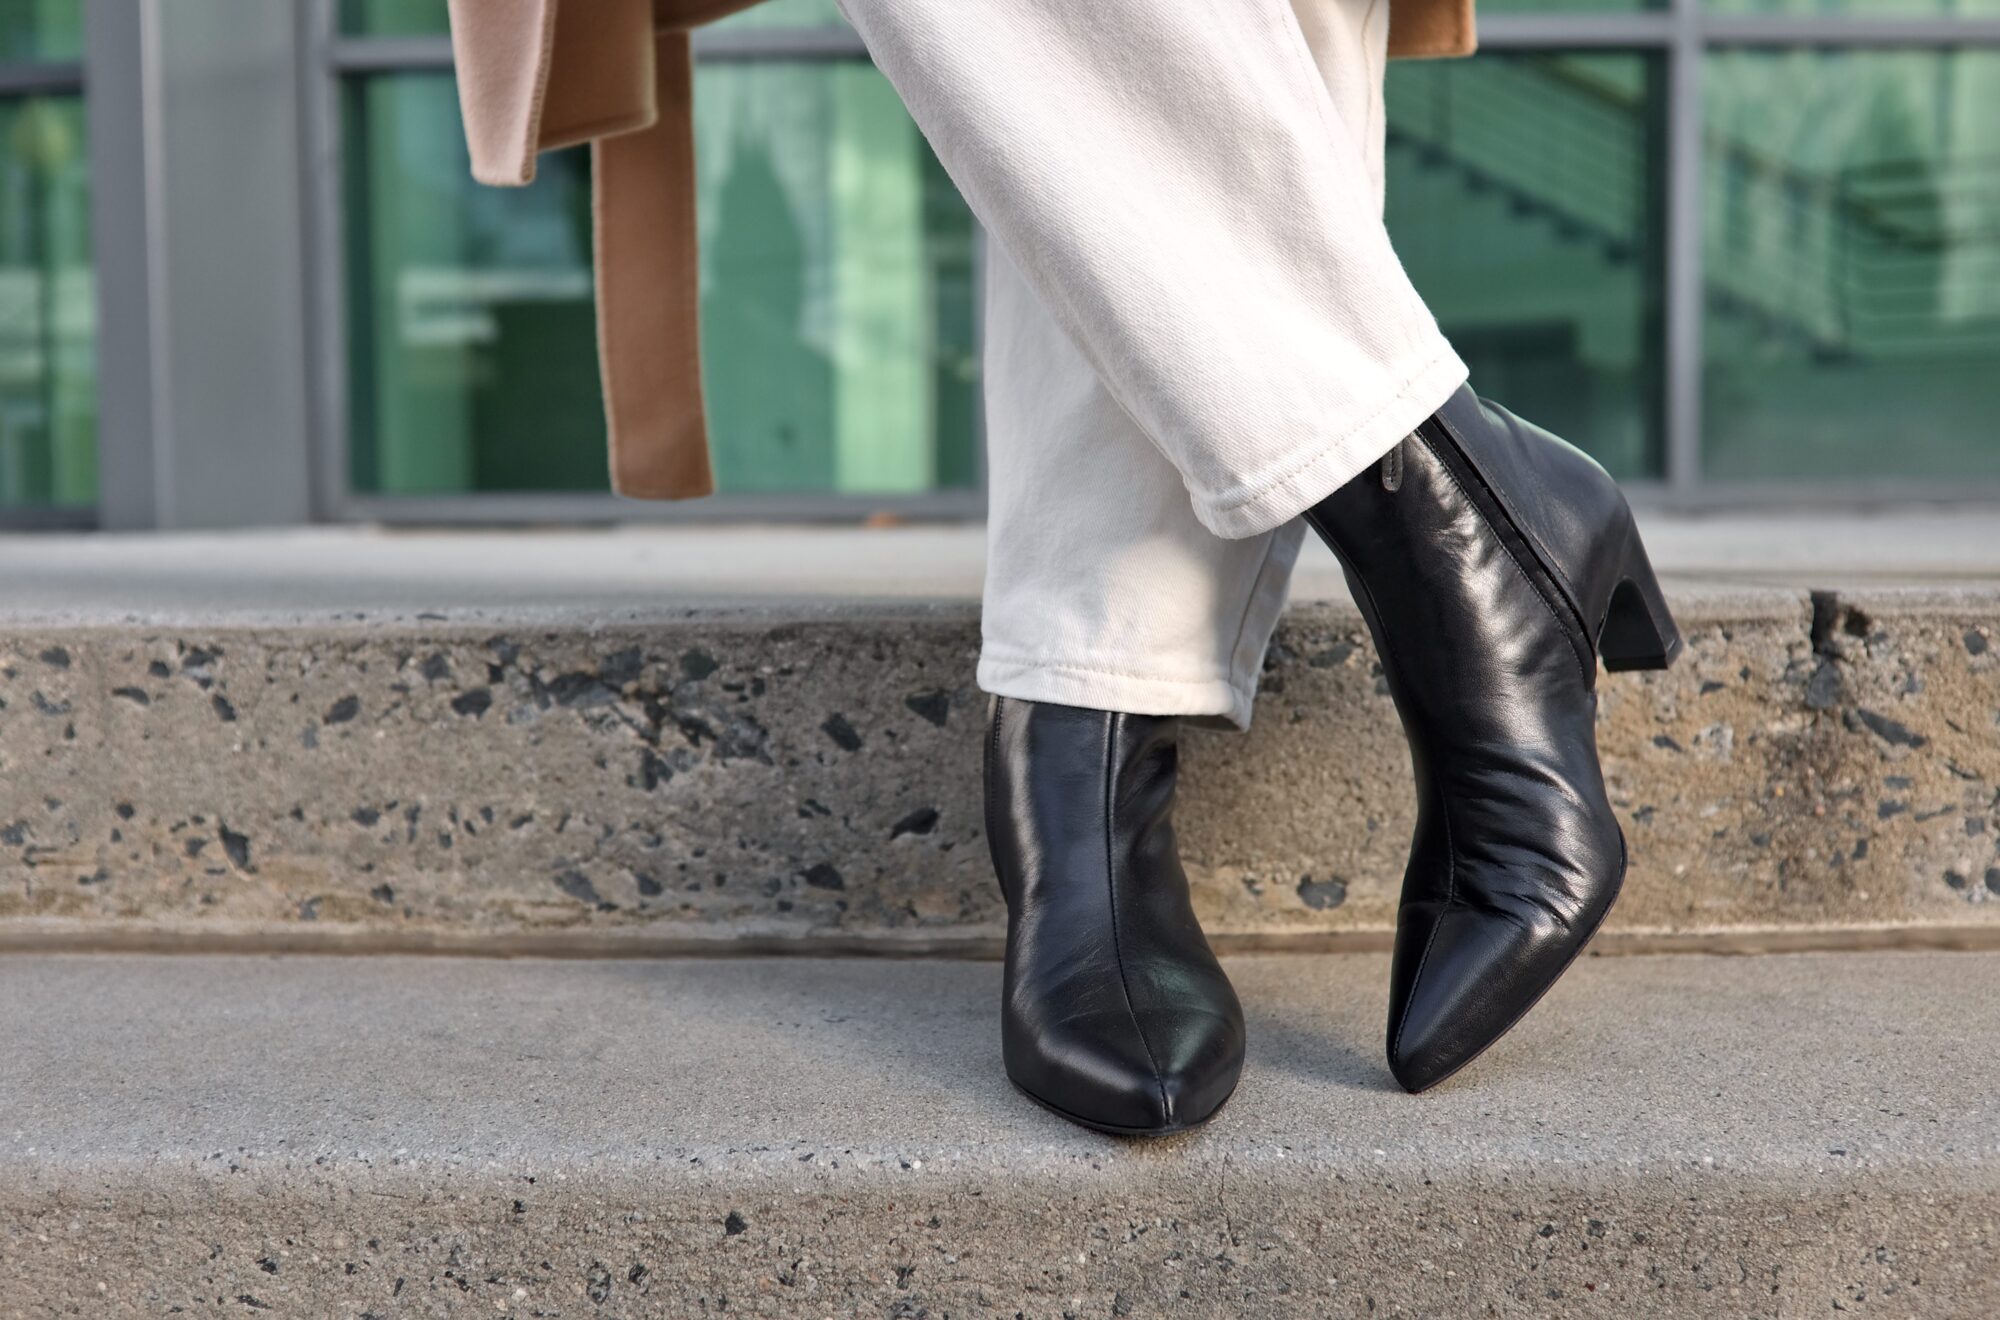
column 1637, row 632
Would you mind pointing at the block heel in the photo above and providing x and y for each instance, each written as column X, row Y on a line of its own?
column 1638, row 632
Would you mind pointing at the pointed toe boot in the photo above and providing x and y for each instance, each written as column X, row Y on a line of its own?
column 1115, row 1013
column 1495, row 566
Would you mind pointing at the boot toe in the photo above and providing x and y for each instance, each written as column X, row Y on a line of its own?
column 1477, row 973
column 1102, row 1072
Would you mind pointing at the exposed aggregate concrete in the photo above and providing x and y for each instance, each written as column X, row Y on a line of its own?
column 1813, row 761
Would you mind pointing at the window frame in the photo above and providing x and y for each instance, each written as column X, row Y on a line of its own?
column 338, row 58
column 1682, row 35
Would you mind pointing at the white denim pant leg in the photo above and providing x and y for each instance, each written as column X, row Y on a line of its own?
column 1186, row 197
column 1103, row 589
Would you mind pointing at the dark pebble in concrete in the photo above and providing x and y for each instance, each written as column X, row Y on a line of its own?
column 1823, row 688
column 921, row 821
column 344, row 710
column 581, row 691
column 236, row 845
column 1889, row 730
column 697, row 665
column 822, row 876
column 734, row 1224
column 224, row 710
column 474, row 703
column 1332, row 656
column 1322, row 895
column 137, row 696
column 934, row 707
column 842, row 733
column 622, row 667
column 55, row 658
column 577, row 885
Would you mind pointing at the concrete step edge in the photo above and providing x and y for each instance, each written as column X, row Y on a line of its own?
column 1663, row 1136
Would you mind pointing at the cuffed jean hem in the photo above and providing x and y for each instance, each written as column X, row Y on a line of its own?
column 1219, row 701
column 1260, row 503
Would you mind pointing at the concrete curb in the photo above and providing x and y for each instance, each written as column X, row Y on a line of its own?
column 1819, row 762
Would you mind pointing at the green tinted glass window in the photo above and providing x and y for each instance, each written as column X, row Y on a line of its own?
column 1490, row 7
column 470, row 349
column 1868, row 8
column 41, row 30
column 788, row 13
column 48, row 368
column 392, row 18
column 381, row 18
column 1524, row 199
column 838, row 285
column 1852, row 264
column 837, row 298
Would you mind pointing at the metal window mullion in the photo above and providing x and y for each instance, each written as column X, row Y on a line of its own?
column 408, row 54
column 1561, row 32
column 1843, row 31
column 326, row 258
column 1683, row 255
column 52, row 78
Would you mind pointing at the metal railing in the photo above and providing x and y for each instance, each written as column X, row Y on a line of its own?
column 1878, row 260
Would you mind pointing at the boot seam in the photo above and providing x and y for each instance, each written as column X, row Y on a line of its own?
column 1529, row 537
column 1371, row 610
column 1512, row 557
column 992, row 768
column 1111, row 894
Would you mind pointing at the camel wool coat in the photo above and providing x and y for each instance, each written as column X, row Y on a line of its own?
column 536, row 75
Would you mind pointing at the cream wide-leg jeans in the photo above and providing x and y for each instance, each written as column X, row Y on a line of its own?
column 1196, row 326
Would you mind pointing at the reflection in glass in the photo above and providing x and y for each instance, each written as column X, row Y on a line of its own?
column 788, row 13
column 401, row 18
column 48, row 315
column 392, row 18
column 41, row 30
column 471, row 357
column 1860, row 8
column 837, row 270
column 1852, row 264
column 1524, row 201
column 1490, row 7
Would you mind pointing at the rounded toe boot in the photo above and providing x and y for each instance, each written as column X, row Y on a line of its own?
column 1496, row 566
column 1116, row 1014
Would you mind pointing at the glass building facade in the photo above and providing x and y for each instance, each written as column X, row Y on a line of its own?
column 1735, row 248
column 48, row 386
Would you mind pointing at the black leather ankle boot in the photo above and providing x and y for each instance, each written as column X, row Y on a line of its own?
column 1495, row 566
column 1116, row 1014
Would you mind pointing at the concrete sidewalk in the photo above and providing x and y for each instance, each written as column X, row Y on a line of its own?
column 1779, row 1136
column 317, row 572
